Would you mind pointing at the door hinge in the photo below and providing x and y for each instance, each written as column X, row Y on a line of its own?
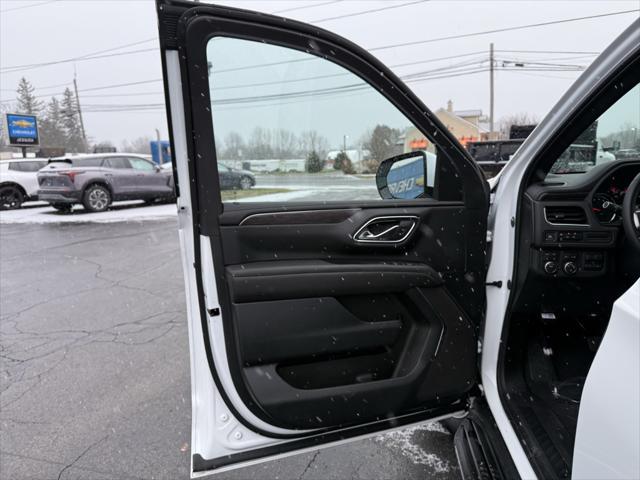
column 497, row 283
column 213, row 312
column 489, row 236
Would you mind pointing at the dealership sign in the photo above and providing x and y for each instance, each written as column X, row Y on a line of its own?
column 406, row 178
column 22, row 129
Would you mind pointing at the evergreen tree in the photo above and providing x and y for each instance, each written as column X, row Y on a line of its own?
column 313, row 164
column 52, row 129
column 347, row 166
column 343, row 162
column 28, row 104
column 71, row 122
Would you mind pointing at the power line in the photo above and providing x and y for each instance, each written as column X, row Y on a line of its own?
column 304, row 7
column 343, row 74
column 364, row 12
column 97, row 54
column 117, row 85
column 110, row 95
column 255, row 101
column 15, row 68
column 40, row 88
column 549, row 51
column 95, row 57
column 542, row 75
column 407, row 77
column 499, row 30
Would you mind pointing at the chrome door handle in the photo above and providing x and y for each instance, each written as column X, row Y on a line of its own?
column 368, row 235
column 387, row 230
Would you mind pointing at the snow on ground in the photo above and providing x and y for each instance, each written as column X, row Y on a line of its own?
column 120, row 212
column 404, row 442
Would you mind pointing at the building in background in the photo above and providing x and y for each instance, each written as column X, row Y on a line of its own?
column 465, row 125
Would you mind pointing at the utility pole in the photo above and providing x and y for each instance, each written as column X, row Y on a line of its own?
column 491, row 90
column 158, row 148
column 75, row 87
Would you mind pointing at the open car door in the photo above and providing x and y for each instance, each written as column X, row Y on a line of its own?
column 325, row 303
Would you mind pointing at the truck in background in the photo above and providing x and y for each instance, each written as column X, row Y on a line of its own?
column 160, row 151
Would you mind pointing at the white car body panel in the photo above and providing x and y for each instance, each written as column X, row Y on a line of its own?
column 501, row 266
column 607, row 438
column 27, row 180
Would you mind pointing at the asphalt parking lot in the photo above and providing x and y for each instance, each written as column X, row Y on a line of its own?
column 94, row 363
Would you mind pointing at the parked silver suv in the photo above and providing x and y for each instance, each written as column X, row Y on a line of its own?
column 96, row 180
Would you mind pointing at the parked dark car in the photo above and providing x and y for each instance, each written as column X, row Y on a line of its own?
column 97, row 180
column 231, row 178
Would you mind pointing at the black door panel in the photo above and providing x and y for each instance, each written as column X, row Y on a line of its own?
column 296, row 278
column 273, row 332
column 335, row 377
column 327, row 330
column 320, row 331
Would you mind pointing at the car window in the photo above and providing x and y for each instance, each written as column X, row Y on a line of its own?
column 612, row 137
column 87, row 162
column 140, row 164
column 33, row 166
column 301, row 125
column 117, row 162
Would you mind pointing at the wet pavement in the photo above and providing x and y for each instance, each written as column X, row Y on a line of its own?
column 94, row 366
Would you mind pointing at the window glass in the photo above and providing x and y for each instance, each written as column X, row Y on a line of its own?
column 301, row 128
column 140, row 164
column 87, row 162
column 612, row 137
column 30, row 166
column 117, row 162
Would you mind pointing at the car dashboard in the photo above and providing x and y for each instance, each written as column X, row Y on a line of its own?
column 576, row 221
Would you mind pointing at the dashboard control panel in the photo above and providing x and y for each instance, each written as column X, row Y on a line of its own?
column 570, row 263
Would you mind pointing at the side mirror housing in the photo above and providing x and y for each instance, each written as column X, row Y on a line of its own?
column 403, row 177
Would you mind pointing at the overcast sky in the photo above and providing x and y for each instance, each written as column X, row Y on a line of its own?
column 40, row 31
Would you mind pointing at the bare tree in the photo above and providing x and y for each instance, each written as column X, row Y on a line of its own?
column 137, row 145
column 521, row 118
column 233, row 147
column 259, row 144
column 381, row 144
column 284, row 143
column 311, row 141
column 627, row 136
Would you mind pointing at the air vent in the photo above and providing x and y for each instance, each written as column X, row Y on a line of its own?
column 565, row 215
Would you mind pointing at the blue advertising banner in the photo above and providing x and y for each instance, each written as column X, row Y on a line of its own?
column 406, row 179
column 22, row 129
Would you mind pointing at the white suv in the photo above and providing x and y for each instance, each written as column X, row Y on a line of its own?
column 18, row 181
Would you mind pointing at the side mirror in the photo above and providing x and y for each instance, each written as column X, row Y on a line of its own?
column 403, row 176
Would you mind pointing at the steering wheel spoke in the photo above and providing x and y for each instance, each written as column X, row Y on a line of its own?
column 631, row 212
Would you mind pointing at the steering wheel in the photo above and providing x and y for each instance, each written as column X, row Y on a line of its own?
column 631, row 212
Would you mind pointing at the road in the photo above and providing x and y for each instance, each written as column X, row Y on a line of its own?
column 94, row 366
